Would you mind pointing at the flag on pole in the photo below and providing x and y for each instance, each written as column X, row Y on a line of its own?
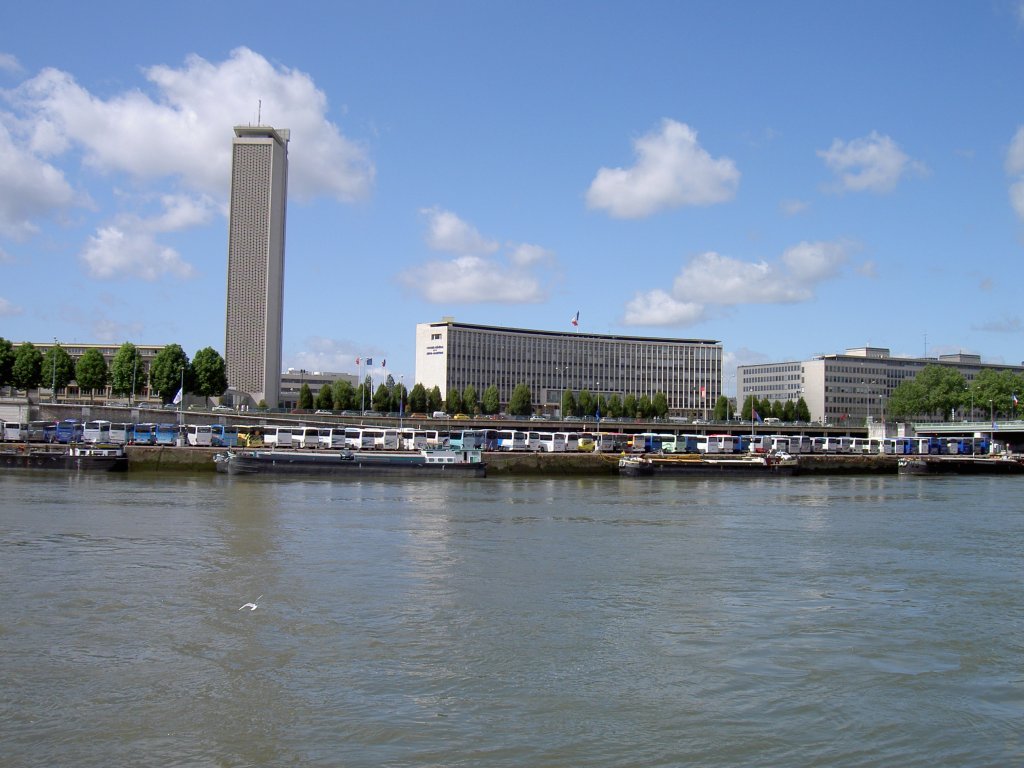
column 369, row 361
column 755, row 415
column 703, row 393
column 357, row 361
column 177, row 397
column 384, row 363
column 1015, row 400
column 576, row 319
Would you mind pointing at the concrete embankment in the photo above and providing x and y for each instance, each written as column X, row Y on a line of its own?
column 174, row 459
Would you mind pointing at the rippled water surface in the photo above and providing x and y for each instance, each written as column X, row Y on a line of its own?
column 871, row 621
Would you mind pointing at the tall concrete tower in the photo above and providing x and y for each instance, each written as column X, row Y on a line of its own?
column 255, row 305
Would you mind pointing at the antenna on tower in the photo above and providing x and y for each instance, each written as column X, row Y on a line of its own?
column 259, row 112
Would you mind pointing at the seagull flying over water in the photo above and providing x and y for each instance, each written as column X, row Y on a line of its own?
column 253, row 605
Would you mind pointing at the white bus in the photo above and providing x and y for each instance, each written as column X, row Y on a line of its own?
column 14, row 431
column 799, row 444
column 277, row 437
column 96, row 432
column 759, row 443
column 533, row 441
column 121, row 432
column 715, row 444
column 331, row 438
column 306, row 437
column 199, row 435
column 383, row 438
column 511, row 440
column 828, row 444
column 356, row 440
column 551, row 442
column 572, row 440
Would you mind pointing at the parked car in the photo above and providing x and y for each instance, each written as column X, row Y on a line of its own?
column 223, row 408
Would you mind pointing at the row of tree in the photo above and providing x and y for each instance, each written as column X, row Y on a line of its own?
column 777, row 409
column 27, row 368
column 939, row 391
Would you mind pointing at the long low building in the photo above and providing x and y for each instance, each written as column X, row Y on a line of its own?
column 453, row 355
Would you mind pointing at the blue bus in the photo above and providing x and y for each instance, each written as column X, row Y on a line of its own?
column 166, row 434
column 144, row 434
column 224, row 435
column 69, row 431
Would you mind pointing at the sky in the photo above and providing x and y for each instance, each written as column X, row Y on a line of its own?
column 789, row 179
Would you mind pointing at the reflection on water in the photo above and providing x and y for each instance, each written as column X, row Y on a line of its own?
column 866, row 621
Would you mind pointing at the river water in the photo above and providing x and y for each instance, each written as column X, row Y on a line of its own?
column 868, row 621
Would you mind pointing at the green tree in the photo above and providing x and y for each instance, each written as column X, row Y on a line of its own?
column 470, row 401
column 802, row 412
column 568, row 404
column 659, row 405
column 91, row 372
column 305, row 397
column 382, row 399
column 209, row 373
column 942, row 388
column 614, row 406
column 362, row 398
column 491, row 402
column 778, row 410
column 629, row 406
column 325, row 398
column 521, row 402
column 434, row 400
column 27, row 370
column 126, row 371
column 748, row 406
column 722, row 409
column 167, row 372
column 400, row 398
column 453, row 401
column 644, row 407
column 58, row 367
column 789, row 411
column 343, row 394
column 6, row 362
column 993, row 392
column 584, row 404
column 418, row 399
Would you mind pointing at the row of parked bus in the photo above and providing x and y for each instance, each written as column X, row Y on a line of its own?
column 649, row 442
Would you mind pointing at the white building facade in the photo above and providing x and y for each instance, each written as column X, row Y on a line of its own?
column 453, row 355
column 256, row 240
column 852, row 387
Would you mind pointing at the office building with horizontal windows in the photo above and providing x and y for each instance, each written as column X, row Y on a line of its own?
column 848, row 388
column 453, row 355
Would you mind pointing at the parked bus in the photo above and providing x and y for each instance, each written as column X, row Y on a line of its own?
column 780, row 443
column 14, row 431
column 199, row 435
column 249, row 436
column 646, row 442
column 511, row 440
column 167, row 434
column 799, row 444
column 331, row 438
column 572, row 440
column 759, row 443
column 306, row 437
column 224, row 435
column 69, row 431
column 97, row 431
column 357, row 440
column 276, row 436
column 466, row 439
column 551, row 442
column 900, row 446
column 384, row 438
column 533, row 441
column 715, row 444
column 144, row 434
column 121, row 432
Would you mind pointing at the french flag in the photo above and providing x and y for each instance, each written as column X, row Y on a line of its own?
column 576, row 319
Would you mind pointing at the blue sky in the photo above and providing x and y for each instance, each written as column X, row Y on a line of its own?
column 791, row 178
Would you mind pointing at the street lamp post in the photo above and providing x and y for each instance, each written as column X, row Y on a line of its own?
column 53, row 371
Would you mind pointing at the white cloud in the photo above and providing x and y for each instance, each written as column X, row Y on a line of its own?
column 448, row 233
column 473, row 280
column 189, row 118
column 874, row 163
column 31, row 189
column 1017, row 198
column 130, row 250
column 658, row 308
column 7, row 309
column 9, row 63
column 477, row 274
column 712, row 280
column 325, row 355
column 672, row 170
column 793, row 207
